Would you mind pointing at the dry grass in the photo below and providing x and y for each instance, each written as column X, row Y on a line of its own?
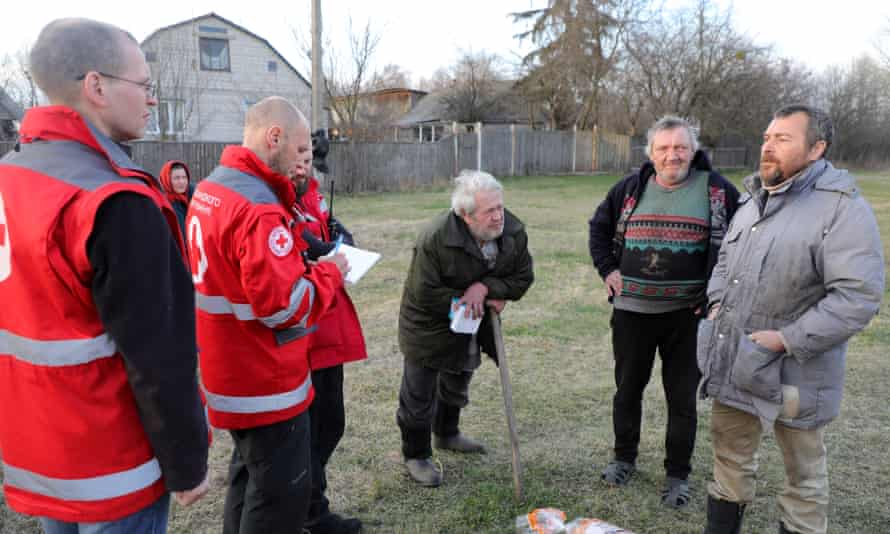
column 558, row 344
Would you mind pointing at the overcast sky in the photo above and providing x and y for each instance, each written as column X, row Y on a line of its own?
column 422, row 35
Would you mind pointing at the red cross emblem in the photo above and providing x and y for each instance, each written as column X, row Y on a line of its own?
column 280, row 241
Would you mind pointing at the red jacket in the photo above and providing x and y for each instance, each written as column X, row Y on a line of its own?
column 339, row 337
column 256, row 300
column 71, row 439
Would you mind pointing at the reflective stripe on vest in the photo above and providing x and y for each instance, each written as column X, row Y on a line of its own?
column 56, row 353
column 84, row 489
column 259, row 403
column 219, row 305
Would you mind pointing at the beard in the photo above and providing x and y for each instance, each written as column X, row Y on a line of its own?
column 487, row 234
column 771, row 175
column 302, row 183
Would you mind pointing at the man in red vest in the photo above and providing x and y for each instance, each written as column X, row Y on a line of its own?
column 257, row 302
column 338, row 340
column 100, row 415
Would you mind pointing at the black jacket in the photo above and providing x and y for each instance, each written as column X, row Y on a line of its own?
column 606, row 238
column 446, row 262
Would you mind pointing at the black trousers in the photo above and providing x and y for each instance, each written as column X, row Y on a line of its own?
column 426, row 396
column 269, row 479
column 635, row 338
column 328, row 421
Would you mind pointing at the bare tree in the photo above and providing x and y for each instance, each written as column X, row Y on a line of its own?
column 348, row 76
column 693, row 62
column 390, row 77
column 473, row 94
column 16, row 80
column 856, row 98
column 181, row 84
column 441, row 78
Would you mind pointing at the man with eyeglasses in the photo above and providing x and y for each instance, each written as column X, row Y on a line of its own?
column 100, row 415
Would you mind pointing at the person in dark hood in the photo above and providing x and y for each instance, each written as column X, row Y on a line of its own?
column 177, row 183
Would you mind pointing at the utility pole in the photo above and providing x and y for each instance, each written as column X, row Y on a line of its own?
column 317, row 74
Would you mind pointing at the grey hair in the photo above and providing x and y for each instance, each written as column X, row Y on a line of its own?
column 819, row 125
column 671, row 122
column 466, row 185
column 71, row 47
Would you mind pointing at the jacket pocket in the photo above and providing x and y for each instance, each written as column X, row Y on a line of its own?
column 703, row 345
column 758, row 370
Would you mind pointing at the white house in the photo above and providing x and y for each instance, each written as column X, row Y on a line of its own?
column 209, row 71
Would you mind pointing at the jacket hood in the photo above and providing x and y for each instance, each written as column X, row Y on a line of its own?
column 167, row 183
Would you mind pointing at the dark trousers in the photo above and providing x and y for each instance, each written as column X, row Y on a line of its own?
column 328, row 421
column 635, row 338
column 429, row 396
column 269, row 479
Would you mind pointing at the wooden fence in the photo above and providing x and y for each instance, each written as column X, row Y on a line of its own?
column 500, row 150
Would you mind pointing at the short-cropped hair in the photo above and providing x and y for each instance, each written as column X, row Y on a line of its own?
column 71, row 47
column 819, row 125
column 671, row 122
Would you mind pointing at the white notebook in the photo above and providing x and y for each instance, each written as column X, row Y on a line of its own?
column 461, row 324
column 360, row 261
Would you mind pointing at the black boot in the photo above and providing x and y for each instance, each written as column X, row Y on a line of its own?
column 783, row 530
column 447, row 434
column 334, row 524
column 724, row 517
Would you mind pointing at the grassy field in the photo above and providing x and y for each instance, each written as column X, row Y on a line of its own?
column 559, row 350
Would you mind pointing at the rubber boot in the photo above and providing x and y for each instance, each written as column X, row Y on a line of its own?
column 447, row 435
column 423, row 471
column 418, row 454
column 724, row 517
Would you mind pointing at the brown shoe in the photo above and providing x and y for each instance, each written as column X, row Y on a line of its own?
column 458, row 443
column 424, row 472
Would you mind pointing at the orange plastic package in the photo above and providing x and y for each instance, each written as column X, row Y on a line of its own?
column 541, row 521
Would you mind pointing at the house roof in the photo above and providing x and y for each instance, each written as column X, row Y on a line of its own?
column 10, row 110
column 433, row 107
column 230, row 23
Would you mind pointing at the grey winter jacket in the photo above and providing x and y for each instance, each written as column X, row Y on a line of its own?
column 809, row 264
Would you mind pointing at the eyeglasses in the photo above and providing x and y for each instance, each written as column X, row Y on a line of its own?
column 150, row 88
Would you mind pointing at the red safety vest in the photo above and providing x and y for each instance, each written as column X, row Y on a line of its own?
column 339, row 338
column 256, row 300
column 72, row 444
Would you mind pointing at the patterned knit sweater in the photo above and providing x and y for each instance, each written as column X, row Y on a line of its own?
column 664, row 262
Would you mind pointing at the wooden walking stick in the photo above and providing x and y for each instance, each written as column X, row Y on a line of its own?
column 507, row 390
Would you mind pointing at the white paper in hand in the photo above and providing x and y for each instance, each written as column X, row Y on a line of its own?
column 461, row 324
column 360, row 261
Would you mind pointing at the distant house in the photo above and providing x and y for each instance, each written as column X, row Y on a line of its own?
column 375, row 110
column 209, row 71
column 431, row 117
column 10, row 115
